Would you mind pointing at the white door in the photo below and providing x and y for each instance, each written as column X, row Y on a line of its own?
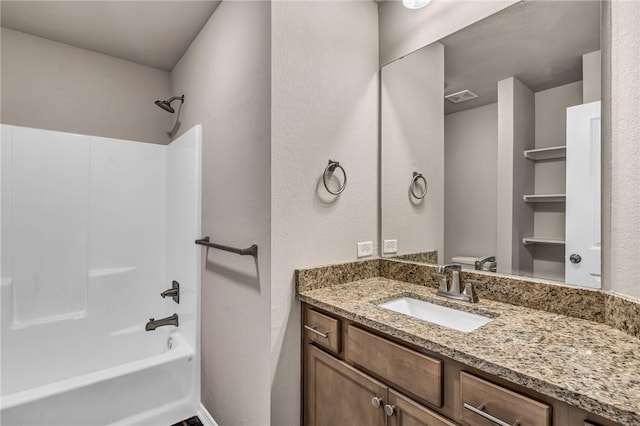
column 582, row 249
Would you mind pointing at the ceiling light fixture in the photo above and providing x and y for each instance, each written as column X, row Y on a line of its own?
column 415, row 4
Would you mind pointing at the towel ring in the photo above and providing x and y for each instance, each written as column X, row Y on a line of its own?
column 416, row 177
column 331, row 167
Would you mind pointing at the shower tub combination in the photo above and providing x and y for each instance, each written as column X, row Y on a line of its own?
column 93, row 230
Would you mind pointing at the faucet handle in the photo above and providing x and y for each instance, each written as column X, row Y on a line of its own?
column 444, row 287
column 470, row 291
column 454, row 266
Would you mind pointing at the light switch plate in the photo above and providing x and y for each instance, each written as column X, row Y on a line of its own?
column 365, row 249
column 390, row 246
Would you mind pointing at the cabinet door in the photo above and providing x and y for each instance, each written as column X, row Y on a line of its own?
column 337, row 394
column 406, row 412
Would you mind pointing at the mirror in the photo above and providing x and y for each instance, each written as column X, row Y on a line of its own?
column 498, row 126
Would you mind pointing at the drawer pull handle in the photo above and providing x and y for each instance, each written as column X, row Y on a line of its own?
column 376, row 402
column 389, row 410
column 480, row 411
column 319, row 333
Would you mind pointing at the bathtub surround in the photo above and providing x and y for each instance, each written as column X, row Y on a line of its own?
column 67, row 190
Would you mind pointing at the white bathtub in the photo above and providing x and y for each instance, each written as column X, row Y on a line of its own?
column 50, row 393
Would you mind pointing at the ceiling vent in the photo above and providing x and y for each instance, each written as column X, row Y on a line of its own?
column 464, row 95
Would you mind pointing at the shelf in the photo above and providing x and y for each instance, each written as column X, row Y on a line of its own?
column 545, row 198
column 548, row 241
column 546, row 153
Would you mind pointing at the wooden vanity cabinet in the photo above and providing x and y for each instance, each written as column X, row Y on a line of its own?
column 344, row 373
column 338, row 394
column 482, row 398
column 407, row 369
column 407, row 412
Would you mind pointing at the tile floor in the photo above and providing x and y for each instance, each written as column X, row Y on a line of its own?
column 191, row 421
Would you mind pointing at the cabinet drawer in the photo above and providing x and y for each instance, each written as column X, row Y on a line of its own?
column 406, row 369
column 499, row 403
column 407, row 412
column 323, row 330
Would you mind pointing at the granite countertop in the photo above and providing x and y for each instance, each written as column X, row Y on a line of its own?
column 584, row 363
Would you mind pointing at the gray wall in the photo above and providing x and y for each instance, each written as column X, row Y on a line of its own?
column 591, row 77
column 412, row 127
column 622, row 150
column 226, row 76
column 403, row 30
column 549, row 218
column 54, row 86
column 470, row 203
column 516, row 127
column 324, row 105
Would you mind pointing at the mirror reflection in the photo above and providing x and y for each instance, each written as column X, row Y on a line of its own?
column 498, row 126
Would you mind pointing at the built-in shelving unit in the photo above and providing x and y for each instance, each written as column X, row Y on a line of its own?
column 548, row 241
column 546, row 153
column 545, row 198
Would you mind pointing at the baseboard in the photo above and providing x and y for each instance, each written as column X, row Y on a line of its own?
column 205, row 417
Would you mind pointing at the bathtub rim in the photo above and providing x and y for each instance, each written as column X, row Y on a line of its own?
column 181, row 349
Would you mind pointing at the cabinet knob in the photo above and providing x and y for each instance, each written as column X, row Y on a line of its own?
column 376, row 402
column 389, row 410
column 575, row 258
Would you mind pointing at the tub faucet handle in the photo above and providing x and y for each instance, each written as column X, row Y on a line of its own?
column 173, row 292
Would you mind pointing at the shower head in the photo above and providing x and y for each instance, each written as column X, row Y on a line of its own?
column 166, row 105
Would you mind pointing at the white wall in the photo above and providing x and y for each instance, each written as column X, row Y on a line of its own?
column 324, row 105
column 403, row 30
column 412, row 128
column 624, row 250
column 225, row 76
column 54, row 86
column 471, row 160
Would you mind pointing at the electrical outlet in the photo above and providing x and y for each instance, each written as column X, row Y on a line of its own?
column 365, row 249
column 390, row 246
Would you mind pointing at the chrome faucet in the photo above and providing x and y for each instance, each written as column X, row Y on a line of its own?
column 481, row 261
column 453, row 291
column 153, row 323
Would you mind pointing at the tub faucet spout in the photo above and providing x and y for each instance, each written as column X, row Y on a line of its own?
column 153, row 323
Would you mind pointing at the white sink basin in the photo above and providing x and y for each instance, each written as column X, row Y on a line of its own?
column 441, row 315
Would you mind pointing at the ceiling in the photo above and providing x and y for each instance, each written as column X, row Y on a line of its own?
column 539, row 42
column 153, row 33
